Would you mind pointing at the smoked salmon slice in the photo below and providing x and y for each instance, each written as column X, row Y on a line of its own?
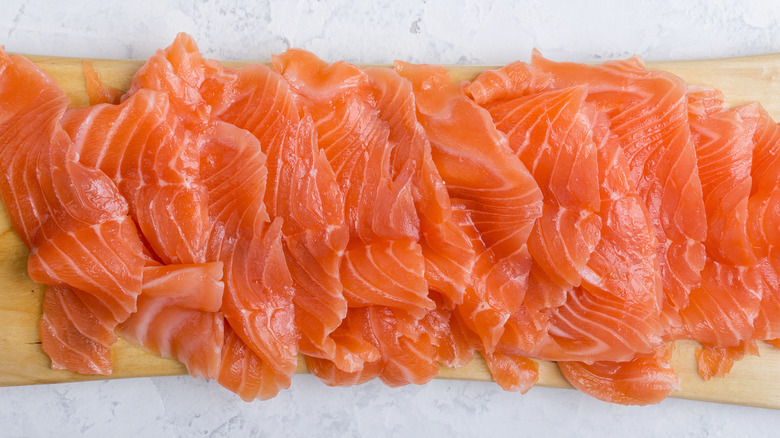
column 97, row 91
column 593, row 240
column 593, row 296
column 243, row 372
column 616, row 313
column 447, row 250
column 509, row 82
column 484, row 178
column 512, row 373
column 646, row 377
column 72, row 218
column 258, row 289
column 721, row 311
column 258, row 301
column 314, row 234
column 643, row 380
column 178, row 71
column 143, row 147
column 179, row 316
column 384, row 266
column 355, row 330
column 77, row 331
column 648, row 112
column 552, row 134
column 406, row 355
column 383, row 263
column 764, row 218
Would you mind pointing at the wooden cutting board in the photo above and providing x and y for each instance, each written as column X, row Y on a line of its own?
column 752, row 382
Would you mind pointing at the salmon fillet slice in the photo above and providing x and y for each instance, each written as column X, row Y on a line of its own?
column 485, row 179
column 721, row 311
column 649, row 114
column 71, row 217
column 764, row 218
column 179, row 316
column 143, row 147
column 594, row 293
column 314, row 233
column 259, row 290
column 384, row 265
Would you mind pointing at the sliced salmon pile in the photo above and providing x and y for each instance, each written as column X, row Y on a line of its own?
column 384, row 222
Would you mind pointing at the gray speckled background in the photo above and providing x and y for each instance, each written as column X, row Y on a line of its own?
column 433, row 31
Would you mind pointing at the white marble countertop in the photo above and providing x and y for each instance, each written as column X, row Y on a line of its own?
column 473, row 32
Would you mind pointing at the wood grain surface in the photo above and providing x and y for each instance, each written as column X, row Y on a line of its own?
column 752, row 382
